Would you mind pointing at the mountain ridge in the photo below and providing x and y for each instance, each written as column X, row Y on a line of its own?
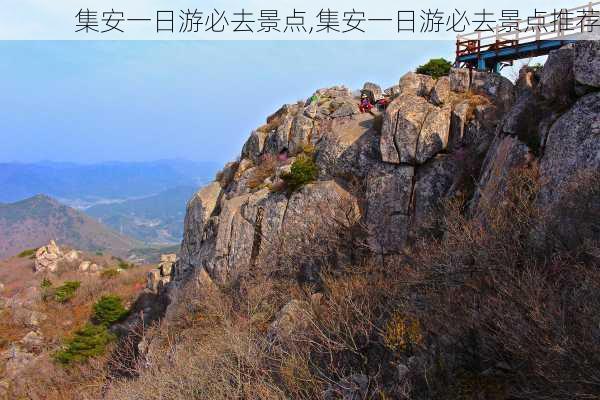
column 116, row 180
column 32, row 222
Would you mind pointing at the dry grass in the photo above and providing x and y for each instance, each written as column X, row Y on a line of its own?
column 45, row 379
column 272, row 125
column 265, row 169
column 476, row 314
column 474, row 100
column 227, row 174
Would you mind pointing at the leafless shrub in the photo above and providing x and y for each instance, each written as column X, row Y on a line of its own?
column 265, row 169
column 514, row 324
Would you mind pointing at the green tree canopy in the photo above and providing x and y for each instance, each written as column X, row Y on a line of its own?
column 436, row 68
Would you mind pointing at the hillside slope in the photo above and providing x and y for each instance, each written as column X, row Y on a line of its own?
column 33, row 222
column 154, row 219
column 445, row 249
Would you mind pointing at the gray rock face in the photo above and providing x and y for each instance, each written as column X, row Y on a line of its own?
column 571, row 147
column 587, row 68
column 441, row 91
column 388, row 198
column 506, row 154
column 248, row 226
column 434, row 181
column 495, row 87
column 557, row 78
column 300, row 133
column 414, row 130
column 199, row 211
column 344, row 107
column 278, row 139
column 402, row 125
column 254, row 146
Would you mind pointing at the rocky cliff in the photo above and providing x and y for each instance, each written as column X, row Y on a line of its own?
column 445, row 247
column 461, row 134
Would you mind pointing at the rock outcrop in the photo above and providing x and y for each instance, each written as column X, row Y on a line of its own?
column 158, row 278
column 47, row 258
column 381, row 176
column 50, row 257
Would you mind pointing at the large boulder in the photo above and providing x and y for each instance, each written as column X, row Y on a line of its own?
column 402, row 124
column 232, row 240
column 557, row 82
column 495, row 87
column 459, row 79
column 414, row 130
column 166, row 264
column 199, row 211
column 416, row 84
column 344, row 107
column 349, row 149
column 333, row 92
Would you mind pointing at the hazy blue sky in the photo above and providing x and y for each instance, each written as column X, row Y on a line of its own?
column 99, row 101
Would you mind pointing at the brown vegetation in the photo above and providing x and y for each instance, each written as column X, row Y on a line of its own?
column 265, row 169
column 477, row 313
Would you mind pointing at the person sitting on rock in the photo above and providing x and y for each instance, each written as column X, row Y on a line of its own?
column 365, row 104
column 383, row 103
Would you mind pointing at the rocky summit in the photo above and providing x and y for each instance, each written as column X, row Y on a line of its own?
column 459, row 135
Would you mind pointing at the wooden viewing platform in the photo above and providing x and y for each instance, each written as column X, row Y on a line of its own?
column 487, row 51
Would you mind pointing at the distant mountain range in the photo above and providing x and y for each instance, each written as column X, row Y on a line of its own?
column 155, row 219
column 142, row 200
column 84, row 185
column 33, row 222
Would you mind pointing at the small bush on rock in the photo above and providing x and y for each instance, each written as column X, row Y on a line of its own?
column 264, row 170
column 67, row 291
column 89, row 341
column 108, row 309
column 27, row 253
column 303, row 171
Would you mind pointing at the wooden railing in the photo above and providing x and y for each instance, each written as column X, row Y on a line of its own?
column 521, row 31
